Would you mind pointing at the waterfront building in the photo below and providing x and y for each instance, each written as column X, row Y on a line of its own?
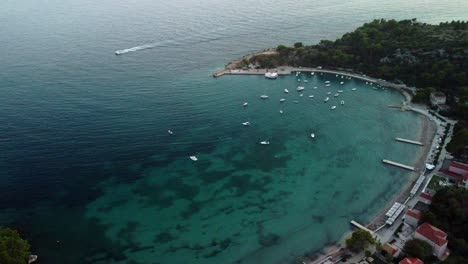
column 411, row 261
column 434, row 236
column 412, row 217
column 438, row 98
column 425, row 198
column 391, row 249
column 455, row 171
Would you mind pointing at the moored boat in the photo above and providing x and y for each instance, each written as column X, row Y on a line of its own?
column 246, row 123
column 326, row 99
column 194, row 158
column 282, row 100
column 264, row 96
column 342, row 102
column 265, row 142
column 300, row 88
column 286, row 90
column 170, row 132
column 245, row 104
column 333, row 107
column 271, row 75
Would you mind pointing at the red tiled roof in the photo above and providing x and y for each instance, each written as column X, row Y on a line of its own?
column 457, row 177
column 414, row 213
column 432, row 233
column 426, row 196
column 459, row 165
column 411, row 261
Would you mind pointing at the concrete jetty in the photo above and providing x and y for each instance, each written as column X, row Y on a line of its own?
column 409, row 141
column 399, row 165
column 356, row 224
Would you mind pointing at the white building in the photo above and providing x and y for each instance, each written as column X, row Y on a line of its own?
column 434, row 236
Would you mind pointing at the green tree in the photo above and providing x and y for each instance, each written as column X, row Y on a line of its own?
column 13, row 249
column 359, row 240
column 298, row 45
column 418, row 249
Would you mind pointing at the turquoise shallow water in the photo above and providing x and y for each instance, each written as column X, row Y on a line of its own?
column 89, row 173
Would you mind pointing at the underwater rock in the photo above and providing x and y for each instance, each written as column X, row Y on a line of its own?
column 268, row 240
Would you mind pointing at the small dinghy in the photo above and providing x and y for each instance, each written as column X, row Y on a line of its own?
column 282, row 100
column 329, row 93
column 286, row 90
column 327, row 85
column 342, row 102
column 333, row 107
column 341, row 83
column 246, row 124
column 281, row 111
column 311, row 96
column 194, row 158
column 327, row 81
column 264, row 96
column 300, row 88
column 315, row 87
column 340, row 91
column 245, row 104
column 301, row 95
column 312, row 135
column 170, row 132
column 326, row 99
column 336, row 95
column 264, row 142
column 354, row 89
column 306, row 81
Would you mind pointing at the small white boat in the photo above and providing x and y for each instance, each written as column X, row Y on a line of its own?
column 327, row 81
column 336, row 95
column 301, row 95
column 312, row 135
column 311, row 96
column 354, row 89
column 298, row 80
column 367, row 82
column 329, row 93
column 300, row 88
column 194, row 158
column 333, row 107
column 271, row 75
column 326, row 99
column 246, row 123
column 282, row 100
column 296, row 102
column 342, row 76
column 265, row 142
column 342, row 102
column 327, row 85
column 315, row 87
column 170, row 132
column 245, row 104
column 336, row 75
column 281, row 111
column 341, row 83
column 297, row 74
column 264, row 96
column 306, row 81
column 286, row 90
column 312, row 73
column 340, row 91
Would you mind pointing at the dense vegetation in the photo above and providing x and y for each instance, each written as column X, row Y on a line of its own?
column 429, row 57
column 416, row 248
column 449, row 212
column 359, row 240
column 13, row 249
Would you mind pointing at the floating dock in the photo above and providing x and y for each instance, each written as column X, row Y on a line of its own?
column 409, row 141
column 399, row 165
column 358, row 225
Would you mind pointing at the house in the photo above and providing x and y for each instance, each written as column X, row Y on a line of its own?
column 412, row 217
column 434, row 236
column 391, row 250
column 456, row 172
column 411, row 261
column 438, row 98
column 425, row 198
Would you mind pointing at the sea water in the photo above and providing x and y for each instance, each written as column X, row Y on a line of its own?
column 89, row 173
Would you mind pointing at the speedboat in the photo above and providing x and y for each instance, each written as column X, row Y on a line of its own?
column 300, row 88
column 286, row 90
column 311, row 96
column 271, row 75
column 326, row 99
column 333, row 107
column 246, row 123
column 245, row 104
column 118, row 52
column 327, row 81
column 329, row 93
column 327, row 85
column 354, row 89
column 342, row 102
column 282, row 100
column 336, row 95
column 341, row 82
column 170, row 132
column 312, row 135
column 264, row 96
column 340, row 91
column 265, row 142
column 194, row 158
